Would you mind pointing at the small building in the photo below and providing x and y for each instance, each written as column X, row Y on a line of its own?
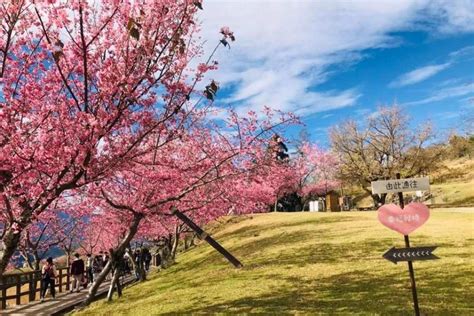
column 332, row 202
column 316, row 206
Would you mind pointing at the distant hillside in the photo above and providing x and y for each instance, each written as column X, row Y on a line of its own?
column 54, row 252
column 452, row 184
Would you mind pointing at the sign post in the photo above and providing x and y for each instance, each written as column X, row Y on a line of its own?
column 410, row 264
column 405, row 220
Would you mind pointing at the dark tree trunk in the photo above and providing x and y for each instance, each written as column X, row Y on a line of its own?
column 165, row 252
column 115, row 283
column 10, row 244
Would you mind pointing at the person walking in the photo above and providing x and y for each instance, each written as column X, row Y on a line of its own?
column 97, row 266
column 48, row 276
column 126, row 260
column 138, row 263
column 147, row 258
column 104, row 263
column 77, row 272
column 90, row 274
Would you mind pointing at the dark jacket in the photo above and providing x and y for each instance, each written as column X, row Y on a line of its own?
column 97, row 265
column 77, row 267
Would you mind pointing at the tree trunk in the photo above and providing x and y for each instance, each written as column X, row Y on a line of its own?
column 10, row 244
column 115, row 282
column 174, row 248
column 119, row 287
column 26, row 256
column 132, row 230
column 37, row 260
column 189, row 240
column 186, row 243
column 193, row 238
column 166, row 253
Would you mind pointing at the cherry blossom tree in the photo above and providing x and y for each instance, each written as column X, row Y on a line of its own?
column 36, row 242
column 51, row 229
column 196, row 174
column 82, row 85
column 317, row 172
column 311, row 172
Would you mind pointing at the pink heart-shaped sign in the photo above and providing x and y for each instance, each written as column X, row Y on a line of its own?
column 403, row 221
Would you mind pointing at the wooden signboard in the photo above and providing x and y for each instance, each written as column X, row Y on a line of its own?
column 401, row 185
column 410, row 254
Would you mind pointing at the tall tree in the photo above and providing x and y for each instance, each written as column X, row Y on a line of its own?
column 384, row 145
column 82, row 84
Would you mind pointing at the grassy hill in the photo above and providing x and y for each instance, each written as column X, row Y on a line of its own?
column 312, row 263
column 452, row 184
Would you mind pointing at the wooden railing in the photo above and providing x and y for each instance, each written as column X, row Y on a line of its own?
column 22, row 288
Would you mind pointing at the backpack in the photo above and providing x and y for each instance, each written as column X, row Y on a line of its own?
column 48, row 272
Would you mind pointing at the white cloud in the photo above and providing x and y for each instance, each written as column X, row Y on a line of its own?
column 449, row 115
column 327, row 115
column 446, row 93
column 418, row 75
column 285, row 49
column 451, row 16
column 464, row 52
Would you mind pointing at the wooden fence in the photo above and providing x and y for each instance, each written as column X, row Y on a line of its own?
column 26, row 286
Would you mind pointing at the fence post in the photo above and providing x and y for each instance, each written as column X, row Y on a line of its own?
column 68, row 279
column 18, row 289
column 40, row 279
column 32, row 288
column 3, row 303
column 60, row 283
column 4, row 295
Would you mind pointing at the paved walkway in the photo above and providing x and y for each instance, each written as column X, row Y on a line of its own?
column 62, row 302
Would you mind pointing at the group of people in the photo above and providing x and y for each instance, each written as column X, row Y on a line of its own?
column 84, row 273
column 142, row 258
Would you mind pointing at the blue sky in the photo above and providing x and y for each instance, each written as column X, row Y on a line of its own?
column 332, row 60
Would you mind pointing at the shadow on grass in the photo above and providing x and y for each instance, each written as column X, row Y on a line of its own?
column 467, row 200
column 295, row 251
column 346, row 293
column 295, row 247
column 373, row 290
column 253, row 229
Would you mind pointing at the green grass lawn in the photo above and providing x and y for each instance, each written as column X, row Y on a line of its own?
column 310, row 263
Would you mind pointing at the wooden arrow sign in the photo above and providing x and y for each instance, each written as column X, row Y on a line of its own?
column 410, row 254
